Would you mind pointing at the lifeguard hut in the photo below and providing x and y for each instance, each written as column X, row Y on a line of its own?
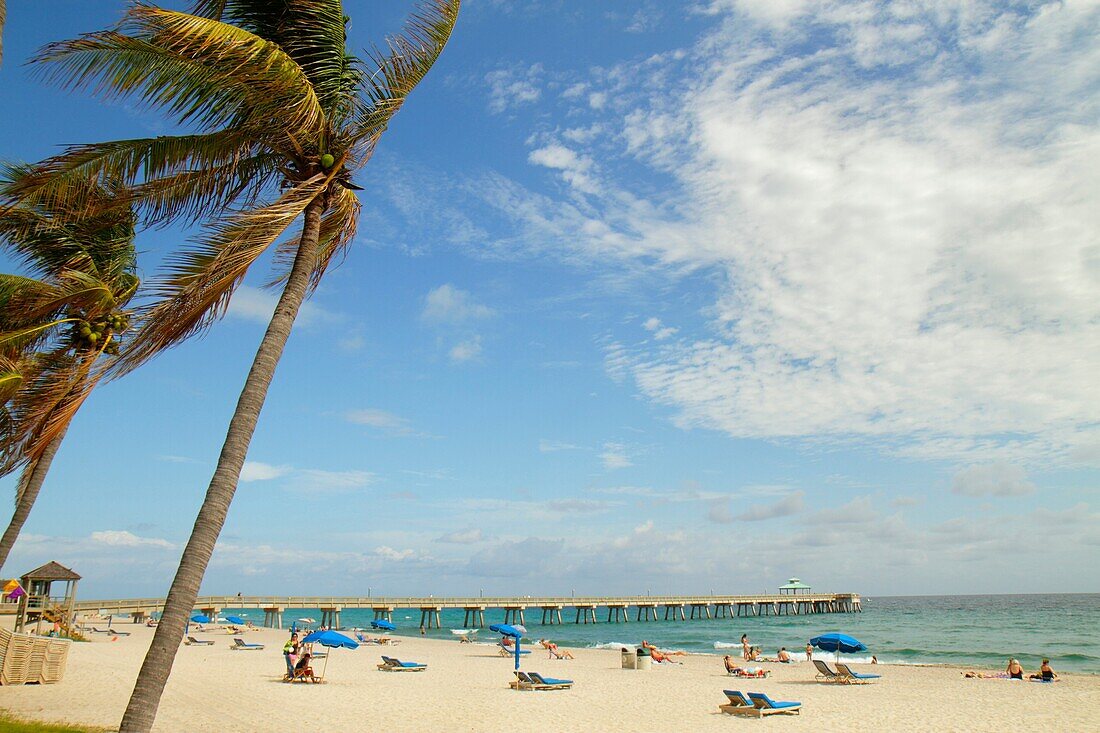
column 794, row 587
column 43, row 603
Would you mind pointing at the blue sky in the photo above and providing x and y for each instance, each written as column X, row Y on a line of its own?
column 668, row 296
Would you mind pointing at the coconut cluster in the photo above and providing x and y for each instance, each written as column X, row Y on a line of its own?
column 102, row 333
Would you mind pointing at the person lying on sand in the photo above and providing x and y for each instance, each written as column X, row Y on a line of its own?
column 651, row 648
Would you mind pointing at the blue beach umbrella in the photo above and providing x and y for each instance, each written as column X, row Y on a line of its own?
column 838, row 643
column 332, row 640
column 382, row 624
column 200, row 618
column 235, row 620
column 516, row 632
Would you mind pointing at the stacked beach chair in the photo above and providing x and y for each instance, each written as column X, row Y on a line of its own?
column 26, row 659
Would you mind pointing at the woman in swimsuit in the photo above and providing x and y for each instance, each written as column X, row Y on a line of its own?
column 1015, row 671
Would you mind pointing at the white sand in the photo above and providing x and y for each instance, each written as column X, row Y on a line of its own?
column 465, row 688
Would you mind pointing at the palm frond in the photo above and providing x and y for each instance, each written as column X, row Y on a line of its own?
column 338, row 226
column 201, row 71
column 404, row 63
column 312, row 32
column 200, row 282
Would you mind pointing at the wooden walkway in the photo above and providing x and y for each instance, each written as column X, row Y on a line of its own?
column 554, row 610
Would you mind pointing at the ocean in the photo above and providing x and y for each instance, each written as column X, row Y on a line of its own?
column 979, row 631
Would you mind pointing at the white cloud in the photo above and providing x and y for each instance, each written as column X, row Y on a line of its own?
column 381, row 419
column 257, row 471
column 785, row 507
column 258, row 305
column 448, row 304
column 513, row 87
column 575, row 169
column 614, row 456
column 552, row 446
column 465, row 350
column 122, row 538
column 320, row 481
column 462, row 537
column 660, row 332
column 389, row 553
column 993, row 479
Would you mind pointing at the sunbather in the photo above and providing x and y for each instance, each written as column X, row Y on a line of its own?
column 555, row 653
column 783, row 656
column 1014, row 669
column 1046, row 674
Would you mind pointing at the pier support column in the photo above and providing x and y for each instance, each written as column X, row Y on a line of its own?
column 211, row 613
column 330, row 616
column 383, row 613
column 139, row 616
column 473, row 615
column 587, row 612
column 429, row 617
column 273, row 617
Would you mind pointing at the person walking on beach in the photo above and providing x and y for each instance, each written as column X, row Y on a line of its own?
column 746, row 650
column 1015, row 670
column 290, row 654
column 809, row 653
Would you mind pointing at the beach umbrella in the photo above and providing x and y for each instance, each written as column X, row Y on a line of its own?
column 838, row 643
column 307, row 620
column 200, row 618
column 235, row 620
column 382, row 625
column 332, row 640
column 512, row 631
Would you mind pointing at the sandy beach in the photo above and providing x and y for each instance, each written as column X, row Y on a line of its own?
column 465, row 688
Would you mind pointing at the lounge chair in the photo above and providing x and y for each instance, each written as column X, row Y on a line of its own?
column 738, row 704
column 845, row 671
column 510, row 651
column 535, row 681
column 110, row 631
column 392, row 664
column 241, row 644
column 764, row 705
column 192, row 641
column 824, row 674
column 304, row 674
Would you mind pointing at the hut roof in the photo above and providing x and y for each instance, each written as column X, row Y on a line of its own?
column 794, row 583
column 51, row 571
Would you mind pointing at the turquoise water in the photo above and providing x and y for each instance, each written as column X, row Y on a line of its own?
column 979, row 631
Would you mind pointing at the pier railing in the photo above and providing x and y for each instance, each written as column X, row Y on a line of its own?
column 514, row 607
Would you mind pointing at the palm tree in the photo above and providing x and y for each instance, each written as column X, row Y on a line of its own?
column 3, row 14
column 282, row 116
column 56, row 322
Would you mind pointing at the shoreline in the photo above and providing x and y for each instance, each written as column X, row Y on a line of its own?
column 213, row 688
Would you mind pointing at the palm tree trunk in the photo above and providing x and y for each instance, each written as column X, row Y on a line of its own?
column 31, row 480
column 142, row 709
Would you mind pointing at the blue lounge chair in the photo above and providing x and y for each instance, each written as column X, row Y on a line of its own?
column 738, row 704
column 539, row 682
column 392, row 664
column 764, row 705
column 845, row 671
column 242, row 645
column 824, row 674
column 192, row 641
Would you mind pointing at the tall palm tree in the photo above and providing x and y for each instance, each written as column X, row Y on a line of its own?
column 56, row 322
column 282, row 115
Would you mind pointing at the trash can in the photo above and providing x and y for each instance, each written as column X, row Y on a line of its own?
column 645, row 660
column 630, row 660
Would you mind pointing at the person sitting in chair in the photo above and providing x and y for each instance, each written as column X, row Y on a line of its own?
column 303, row 670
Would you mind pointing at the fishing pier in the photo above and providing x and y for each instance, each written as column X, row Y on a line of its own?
column 554, row 610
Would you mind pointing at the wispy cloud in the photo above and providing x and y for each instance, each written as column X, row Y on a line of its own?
column 467, row 350
column 514, row 87
column 122, row 538
column 257, row 305
column 785, row 507
column 615, row 456
column 553, row 446
column 462, row 537
column 994, row 479
column 258, row 471
column 383, row 420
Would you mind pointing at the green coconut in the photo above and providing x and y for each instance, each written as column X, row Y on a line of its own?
column 327, row 161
